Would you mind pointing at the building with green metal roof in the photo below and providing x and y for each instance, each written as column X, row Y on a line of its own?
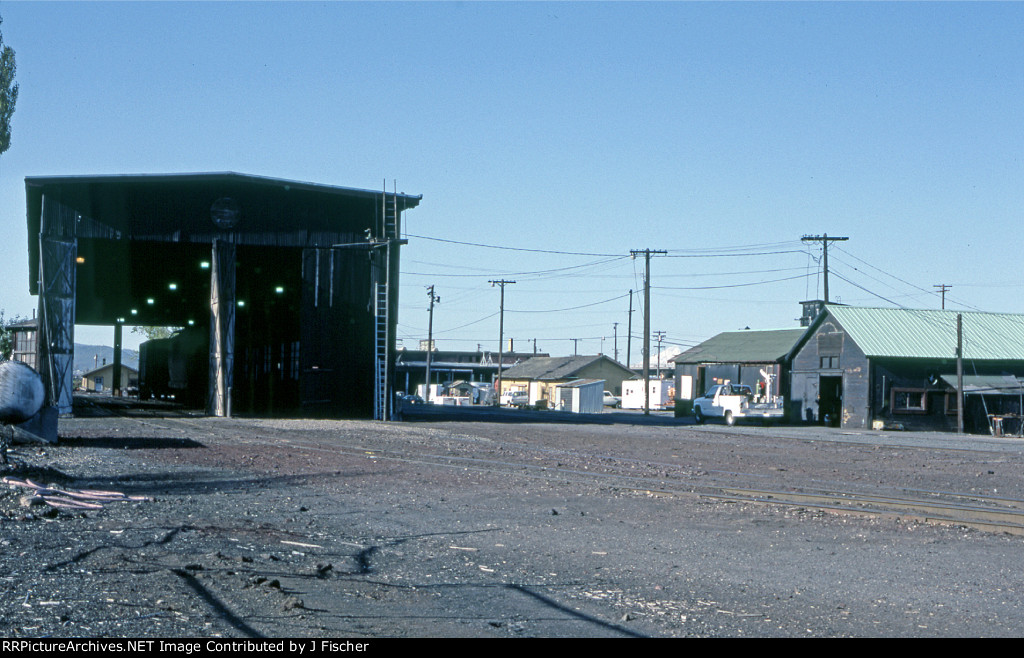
column 855, row 366
column 931, row 334
column 736, row 356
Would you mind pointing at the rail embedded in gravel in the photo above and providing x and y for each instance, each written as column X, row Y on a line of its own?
column 621, row 472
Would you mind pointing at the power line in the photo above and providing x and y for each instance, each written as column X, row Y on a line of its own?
column 732, row 255
column 914, row 286
column 494, row 246
column 468, row 324
column 539, row 273
column 745, row 247
column 716, row 252
column 734, row 285
column 867, row 291
column 571, row 308
column 877, row 280
column 694, row 275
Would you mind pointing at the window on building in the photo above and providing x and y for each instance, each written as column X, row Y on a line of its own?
column 950, row 404
column 24, row 347
column 828, row 362
column 909, row 400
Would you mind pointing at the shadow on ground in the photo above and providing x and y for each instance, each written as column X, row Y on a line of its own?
column 435, row 413
column 128, row 443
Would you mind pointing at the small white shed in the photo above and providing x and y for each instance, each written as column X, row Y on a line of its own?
column 581, row 396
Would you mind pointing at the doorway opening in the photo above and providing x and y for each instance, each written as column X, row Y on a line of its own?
column 830, row 402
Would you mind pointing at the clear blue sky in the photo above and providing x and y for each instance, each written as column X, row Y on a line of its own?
column 720, row 132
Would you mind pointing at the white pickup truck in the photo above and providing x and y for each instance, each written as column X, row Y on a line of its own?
column 733, row 402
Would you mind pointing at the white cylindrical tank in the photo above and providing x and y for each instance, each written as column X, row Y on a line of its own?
column 21, row 392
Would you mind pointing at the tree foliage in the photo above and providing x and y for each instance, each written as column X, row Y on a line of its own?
column 153, row 333
column 6, row 342
column 8, row 92
column 6, row 337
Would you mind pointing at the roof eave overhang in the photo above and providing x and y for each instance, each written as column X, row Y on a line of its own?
column 408, row 201
column 80, row 190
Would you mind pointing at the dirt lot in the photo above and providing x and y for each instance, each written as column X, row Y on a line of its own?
column 287, row 528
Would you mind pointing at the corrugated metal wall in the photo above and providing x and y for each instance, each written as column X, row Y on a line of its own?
column 337, row 333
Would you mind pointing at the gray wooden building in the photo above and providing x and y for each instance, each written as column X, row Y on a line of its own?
column 291, row 287
column 898, row 366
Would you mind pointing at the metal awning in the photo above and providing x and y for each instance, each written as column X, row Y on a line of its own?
column 987, row 384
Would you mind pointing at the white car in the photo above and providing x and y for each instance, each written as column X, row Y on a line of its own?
column 515, row 399
column 612, row 401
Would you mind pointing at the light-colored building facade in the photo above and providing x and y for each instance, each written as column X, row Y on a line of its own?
column 101, row 379
column 539, row 376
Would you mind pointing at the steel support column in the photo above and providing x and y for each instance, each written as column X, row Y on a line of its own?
column 116, row 384
column 56, row 343
column 222, row 327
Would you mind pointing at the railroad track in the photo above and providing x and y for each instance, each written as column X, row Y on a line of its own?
column 616, row 472
column 995, row 515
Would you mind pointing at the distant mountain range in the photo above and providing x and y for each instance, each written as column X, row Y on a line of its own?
column 90, row 357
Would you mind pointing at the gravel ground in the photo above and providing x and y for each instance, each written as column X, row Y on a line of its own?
column 286, row 528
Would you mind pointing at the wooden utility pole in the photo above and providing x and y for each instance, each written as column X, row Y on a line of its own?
column 629, row 332
column 501, row 335
column 943, row 288
column 824, row 240
column 660, row 336
column 430, row 334
column 959, row 373
column 615, row 336
column 647, row 323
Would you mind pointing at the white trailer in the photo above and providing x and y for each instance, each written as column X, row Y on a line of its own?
column 663, row 393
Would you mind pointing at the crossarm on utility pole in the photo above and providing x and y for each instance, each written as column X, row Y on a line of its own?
column 824, row 240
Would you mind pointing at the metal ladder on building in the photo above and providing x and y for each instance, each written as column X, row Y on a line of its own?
column 382, row 356
column 390, row 216
column 380, row 333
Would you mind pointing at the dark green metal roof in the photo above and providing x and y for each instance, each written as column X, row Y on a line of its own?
column 137, row 234
column 177, row 208
column 744, row 347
